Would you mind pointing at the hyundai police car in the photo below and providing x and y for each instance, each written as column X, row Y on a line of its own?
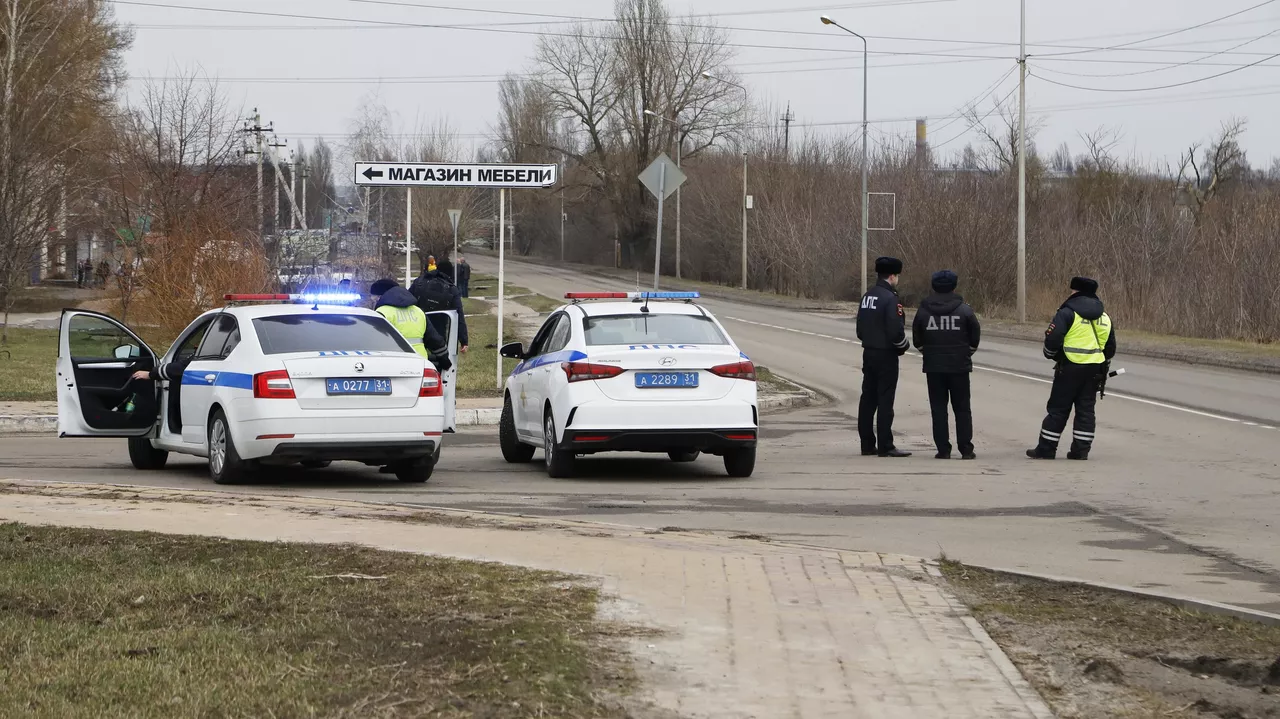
column 651, row 373
column 267, row 384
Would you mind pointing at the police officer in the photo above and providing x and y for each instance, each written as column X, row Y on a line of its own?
column 946, row 331
column 1082, row 341
column 400, row 308
column 882, row 328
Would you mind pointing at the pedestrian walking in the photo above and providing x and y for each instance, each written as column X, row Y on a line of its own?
column 946, row 331
column 1081, row 341
column 464, row 276
column 882, row 328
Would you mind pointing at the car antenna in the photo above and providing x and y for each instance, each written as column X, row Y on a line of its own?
column 645, row 307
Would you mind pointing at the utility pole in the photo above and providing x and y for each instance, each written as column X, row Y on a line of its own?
column 305, row 175
column 562, row 216
column 275, row 210
column 257, row 130
column 744, row 220
column 787, row 119
column 1022, row 167
column 293, row 181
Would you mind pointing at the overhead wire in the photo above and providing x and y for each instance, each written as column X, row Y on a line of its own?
column 1157, row 87
column 1175, row 32
column 1198, row 61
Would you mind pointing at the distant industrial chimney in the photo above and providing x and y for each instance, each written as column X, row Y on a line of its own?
column 922, row 143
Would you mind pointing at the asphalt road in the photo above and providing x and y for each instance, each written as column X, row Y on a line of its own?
column 1182, row 494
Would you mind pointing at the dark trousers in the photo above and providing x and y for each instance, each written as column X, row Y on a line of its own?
column 875, row 408
column 953, row 386
column 1073, row 386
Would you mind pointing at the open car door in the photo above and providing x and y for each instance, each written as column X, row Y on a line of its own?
column 450, row 378
column 97, row 397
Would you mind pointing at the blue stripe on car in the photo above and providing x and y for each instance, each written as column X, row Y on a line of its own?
column 236, row 380
column 552, row 358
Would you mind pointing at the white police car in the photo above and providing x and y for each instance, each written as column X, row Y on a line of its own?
column 642, row 375
column 268, row 384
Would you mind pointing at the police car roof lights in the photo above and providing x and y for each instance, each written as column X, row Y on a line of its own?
column 311, row 298
column 637, row 296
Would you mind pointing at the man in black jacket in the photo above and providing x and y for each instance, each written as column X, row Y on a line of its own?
column 882, row 328
column 435, row 292
column 946, row 331
column 464, row 276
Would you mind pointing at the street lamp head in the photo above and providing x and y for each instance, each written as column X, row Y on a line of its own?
column 708, row 75
column 827, row 21
column 650, row 113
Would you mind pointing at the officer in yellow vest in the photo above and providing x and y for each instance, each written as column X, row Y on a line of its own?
column 401, row 309
column 1082, row 341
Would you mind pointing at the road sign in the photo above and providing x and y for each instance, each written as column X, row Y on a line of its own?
column 652, row 177
column 454, row 217
column 437, row 174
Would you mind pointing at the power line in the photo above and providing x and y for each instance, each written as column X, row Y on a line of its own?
column 1158, row 87
column 1182, row 30
column 1197, row 61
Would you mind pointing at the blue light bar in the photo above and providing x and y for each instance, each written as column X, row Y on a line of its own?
column 668, row 295
column 327, row 298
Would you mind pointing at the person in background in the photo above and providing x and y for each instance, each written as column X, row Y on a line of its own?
column 431, row 263
column 401, row 309
column 946, row 331
column 464, row 276
column 436, row 293
column 104, row 270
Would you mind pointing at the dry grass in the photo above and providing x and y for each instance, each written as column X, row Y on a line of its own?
column 1094, row 653
column 115, row 624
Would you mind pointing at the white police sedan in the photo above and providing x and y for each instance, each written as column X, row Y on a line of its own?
column 645, row 372
column 267, row 385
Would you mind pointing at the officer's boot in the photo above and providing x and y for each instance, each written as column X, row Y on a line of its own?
column 1079, row 450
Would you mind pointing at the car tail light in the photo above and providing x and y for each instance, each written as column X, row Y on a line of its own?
column 431, row 384
column 737, row 370
column 582, row 371
column 273, row 385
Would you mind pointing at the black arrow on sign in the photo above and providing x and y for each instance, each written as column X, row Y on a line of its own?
column 371, row 173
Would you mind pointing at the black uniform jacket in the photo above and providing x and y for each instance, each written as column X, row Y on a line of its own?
column 882, row 325
column 946, row 331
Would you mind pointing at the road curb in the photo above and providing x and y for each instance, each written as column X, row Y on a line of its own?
column 483, row 417
column 1200, row 605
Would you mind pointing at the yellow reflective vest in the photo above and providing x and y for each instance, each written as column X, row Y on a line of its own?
column 1086, row 340
column 409, row 321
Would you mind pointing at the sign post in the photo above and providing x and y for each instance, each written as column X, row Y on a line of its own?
column 502, row 176
column 408, row 237
column 454, row 217
column 662, row 177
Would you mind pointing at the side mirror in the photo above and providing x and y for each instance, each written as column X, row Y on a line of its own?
column 515, row 350
column 127, row 352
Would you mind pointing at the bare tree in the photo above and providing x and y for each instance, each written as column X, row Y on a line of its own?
column 59, row 64
column 1222, row 164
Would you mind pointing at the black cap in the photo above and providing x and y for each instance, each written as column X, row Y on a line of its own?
column 381, row 287
column 1084, row 285
column 945, row 281
column 888, row 266
column 445, row 268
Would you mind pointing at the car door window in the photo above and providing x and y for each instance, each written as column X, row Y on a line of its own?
column 94, row 339
column 559, row 336
column 187, row 349
column 220, row 331
column 540, row 340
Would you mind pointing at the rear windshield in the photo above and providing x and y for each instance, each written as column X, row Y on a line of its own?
column 327, row 333
column 653, row 329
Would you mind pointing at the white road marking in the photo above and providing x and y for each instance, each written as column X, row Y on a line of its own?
column 1019, row 375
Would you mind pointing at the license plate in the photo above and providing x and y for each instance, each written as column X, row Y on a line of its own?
column 651, row 380
column 371, row 385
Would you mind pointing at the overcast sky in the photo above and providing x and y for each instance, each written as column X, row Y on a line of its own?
column 930, row 58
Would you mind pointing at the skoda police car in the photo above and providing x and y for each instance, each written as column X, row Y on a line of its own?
column 630, row 372
column 267, row 385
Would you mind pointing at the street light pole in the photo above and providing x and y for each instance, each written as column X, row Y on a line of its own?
column 866, row 160
column 1022, row 166
column 746, row 93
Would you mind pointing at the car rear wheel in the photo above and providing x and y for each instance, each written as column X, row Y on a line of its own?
column 684, row 455
column 415, row 472
column 144, row 456
column 559, row 461
column 513, row 450
column 225, row 464
column 740, row 462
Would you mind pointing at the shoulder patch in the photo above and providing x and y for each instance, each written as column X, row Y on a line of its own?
column 1052, row 326
column 900, row 312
